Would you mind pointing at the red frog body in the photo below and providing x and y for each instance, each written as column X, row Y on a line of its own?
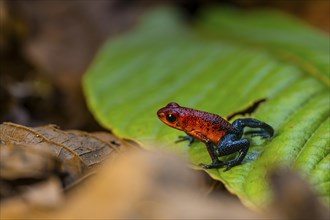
column 196, row 123
column 220, row 136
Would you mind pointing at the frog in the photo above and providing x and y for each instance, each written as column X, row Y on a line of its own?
column 220, row 137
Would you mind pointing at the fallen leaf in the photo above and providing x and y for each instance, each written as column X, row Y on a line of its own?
column 77, row 152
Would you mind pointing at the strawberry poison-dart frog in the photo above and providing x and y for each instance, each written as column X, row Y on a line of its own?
column 220, row 137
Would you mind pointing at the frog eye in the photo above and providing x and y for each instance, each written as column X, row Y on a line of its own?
column 170, row 118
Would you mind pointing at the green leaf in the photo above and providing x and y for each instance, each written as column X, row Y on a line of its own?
column 221, row 65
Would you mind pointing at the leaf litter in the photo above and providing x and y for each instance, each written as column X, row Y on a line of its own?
column 31, row 157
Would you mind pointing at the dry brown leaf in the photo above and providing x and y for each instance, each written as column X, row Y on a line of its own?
column 77, row 151
column 24, row 161
column 11, row 133
column 87, row 147
column 24, row 165
column 64, row 144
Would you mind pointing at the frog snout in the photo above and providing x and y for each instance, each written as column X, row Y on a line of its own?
column 160, row 114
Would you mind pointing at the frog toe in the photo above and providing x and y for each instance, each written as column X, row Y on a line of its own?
column 186, row 138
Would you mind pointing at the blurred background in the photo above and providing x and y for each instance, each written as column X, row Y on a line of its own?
column 46, row 47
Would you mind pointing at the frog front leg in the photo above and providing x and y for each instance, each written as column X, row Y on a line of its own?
column 216, row 163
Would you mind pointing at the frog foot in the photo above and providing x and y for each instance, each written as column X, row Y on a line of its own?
column 186, row 138
column 214, row 164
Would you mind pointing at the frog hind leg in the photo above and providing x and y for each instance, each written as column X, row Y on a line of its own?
column 265, row 131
